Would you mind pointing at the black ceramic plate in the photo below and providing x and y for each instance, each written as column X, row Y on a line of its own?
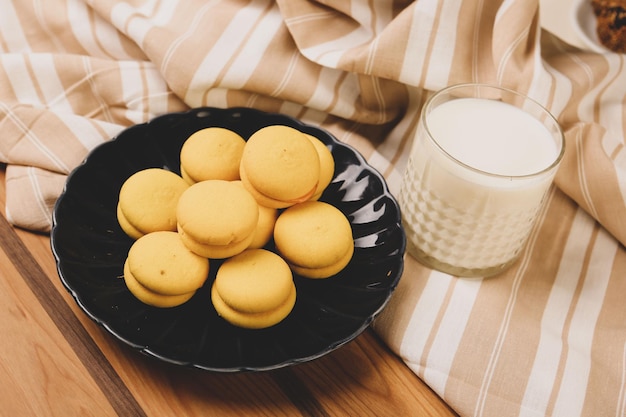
column 90, row 249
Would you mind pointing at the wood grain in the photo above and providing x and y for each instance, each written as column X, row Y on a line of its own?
column 55, row 361
column 39, row 365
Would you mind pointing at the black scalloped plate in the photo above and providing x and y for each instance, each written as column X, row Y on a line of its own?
column 90, row 249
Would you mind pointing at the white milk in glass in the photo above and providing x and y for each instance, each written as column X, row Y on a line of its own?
column 478, row 173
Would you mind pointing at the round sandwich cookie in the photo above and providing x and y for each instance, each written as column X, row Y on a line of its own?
column 215, row 251
column 148, row 200
column 159, row 266
column 150, row 297
column 128, row 228
column 213, row 153
column 217, row 218
column 254, row 289
column 280, row 166
column 315, row 238
column 327, row 166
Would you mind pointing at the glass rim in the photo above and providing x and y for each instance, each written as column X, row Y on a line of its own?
column 561, row 137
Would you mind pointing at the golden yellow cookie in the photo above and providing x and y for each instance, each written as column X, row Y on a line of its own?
column 150, row 297
column 265, row 226
column 148, row 200
column 128, row 228
column 161, row 263
column 215, row 251
column 325, row 271
column 217, row 213
column 213, row 153
column 327, row 166
column 254, row 281
column 281, row 164
column 264, row 200
column 315, row 238
column 254, row 289
column 253, row 320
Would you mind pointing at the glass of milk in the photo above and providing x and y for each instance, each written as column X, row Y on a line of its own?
column 482, row 161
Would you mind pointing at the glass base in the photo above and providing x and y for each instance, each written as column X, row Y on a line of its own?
column 461, row 272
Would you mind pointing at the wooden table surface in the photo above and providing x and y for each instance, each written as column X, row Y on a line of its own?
column 55, row 361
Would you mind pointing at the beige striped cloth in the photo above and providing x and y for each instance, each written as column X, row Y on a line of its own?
column 548, row 337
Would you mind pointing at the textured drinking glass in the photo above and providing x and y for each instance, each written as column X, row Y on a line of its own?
column 482, row 161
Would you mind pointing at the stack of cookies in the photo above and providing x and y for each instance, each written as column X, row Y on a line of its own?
column 232, row 198
column 161, row 271
column 217, row 218
column 254, row 289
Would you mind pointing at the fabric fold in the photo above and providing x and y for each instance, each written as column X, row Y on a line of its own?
column 73, row 74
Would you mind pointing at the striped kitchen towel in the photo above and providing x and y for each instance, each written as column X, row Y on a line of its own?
column 548, row 337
